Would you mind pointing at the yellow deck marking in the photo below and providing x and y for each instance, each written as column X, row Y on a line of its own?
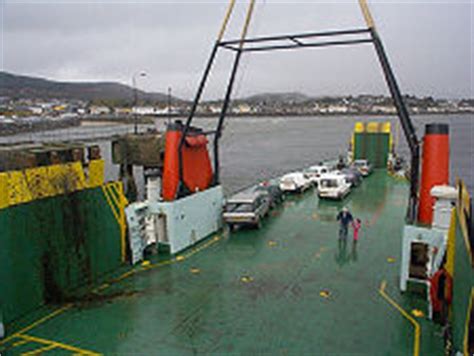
column 246, row 279
column 54, row 344
column 19, row 343
column 145, row 263
column 39, row 351
column 180, row 258
column 195, row 270
column 324, row 294
column 122, row 277
column 159, row 264
column 20, row 334
column 36, row 323
column 416, row 347
column 418, row 313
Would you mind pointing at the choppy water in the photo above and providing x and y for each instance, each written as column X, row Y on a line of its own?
column 254, row 148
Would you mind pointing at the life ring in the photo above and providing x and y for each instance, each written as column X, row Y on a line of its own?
column 441, row 289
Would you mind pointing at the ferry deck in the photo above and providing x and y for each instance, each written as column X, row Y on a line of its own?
column 287, row 289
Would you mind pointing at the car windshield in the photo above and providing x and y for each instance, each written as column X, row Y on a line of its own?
column 239, row 207
column 288, row 180
column 359, row 164
column 329, row 183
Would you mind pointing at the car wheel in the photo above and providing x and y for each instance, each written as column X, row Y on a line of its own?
column 231, row 227
column 259, row 224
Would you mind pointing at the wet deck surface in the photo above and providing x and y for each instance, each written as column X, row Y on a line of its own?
column 288, row 289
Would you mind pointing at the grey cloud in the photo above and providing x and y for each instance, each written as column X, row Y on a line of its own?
column 429, row 44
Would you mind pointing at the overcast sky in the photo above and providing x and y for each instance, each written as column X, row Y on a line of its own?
column 430, row 45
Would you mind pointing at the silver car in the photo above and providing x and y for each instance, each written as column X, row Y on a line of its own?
column 247, row 208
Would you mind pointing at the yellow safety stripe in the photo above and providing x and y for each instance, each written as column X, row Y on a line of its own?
column 113, row 193
column 19, row 187
column 416, row 347
column 36, row 323
column 466, row 326
column 451, row 243
column 53, row 345
column 39, row 351
column 463, row 207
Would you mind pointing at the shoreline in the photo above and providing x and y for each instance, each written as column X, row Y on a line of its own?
column 147, row 119
column 150, row 120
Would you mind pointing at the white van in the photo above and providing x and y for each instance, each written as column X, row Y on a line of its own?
column 333, row 186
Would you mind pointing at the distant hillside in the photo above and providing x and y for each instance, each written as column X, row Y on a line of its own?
column 269, row 98
column 19, row 86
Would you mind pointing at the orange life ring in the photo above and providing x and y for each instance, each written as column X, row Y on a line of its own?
column 437, row 296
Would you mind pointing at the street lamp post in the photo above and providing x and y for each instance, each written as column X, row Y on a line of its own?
column 169, row 105
column 135, row 99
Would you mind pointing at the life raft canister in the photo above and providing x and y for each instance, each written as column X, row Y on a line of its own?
column 197, row 169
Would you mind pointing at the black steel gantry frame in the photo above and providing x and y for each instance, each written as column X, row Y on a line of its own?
column 299, row 41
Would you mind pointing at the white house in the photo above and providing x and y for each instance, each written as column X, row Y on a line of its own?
column 143, row 110
column 99, row 110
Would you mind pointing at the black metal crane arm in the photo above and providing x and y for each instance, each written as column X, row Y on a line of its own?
column 298, row 41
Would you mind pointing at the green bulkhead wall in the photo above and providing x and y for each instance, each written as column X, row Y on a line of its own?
column 52, row 246
column 374, row 146
column 463, row 285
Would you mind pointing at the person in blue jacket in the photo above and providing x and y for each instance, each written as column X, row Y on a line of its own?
column 345, row 218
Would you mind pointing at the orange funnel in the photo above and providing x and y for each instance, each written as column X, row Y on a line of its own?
column 435, row 167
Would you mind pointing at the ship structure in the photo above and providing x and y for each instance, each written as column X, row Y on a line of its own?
column 85, row 269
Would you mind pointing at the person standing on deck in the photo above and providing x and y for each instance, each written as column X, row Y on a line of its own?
column 345, row 218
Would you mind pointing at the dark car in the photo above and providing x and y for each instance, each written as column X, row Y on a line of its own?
column 363, row 165
column 353, row 176
column 275, row 193
column 246, row 208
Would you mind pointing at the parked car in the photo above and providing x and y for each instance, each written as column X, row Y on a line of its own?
column 296, row 182
column 274, row 192
column 363, row 165
column 353, row 176
column 247, row 208
column 333, row 186
column 314, row 173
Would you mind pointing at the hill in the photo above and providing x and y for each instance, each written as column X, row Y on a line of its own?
column 20, row 86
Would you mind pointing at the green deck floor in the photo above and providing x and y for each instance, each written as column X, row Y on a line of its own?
column 277, row 309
